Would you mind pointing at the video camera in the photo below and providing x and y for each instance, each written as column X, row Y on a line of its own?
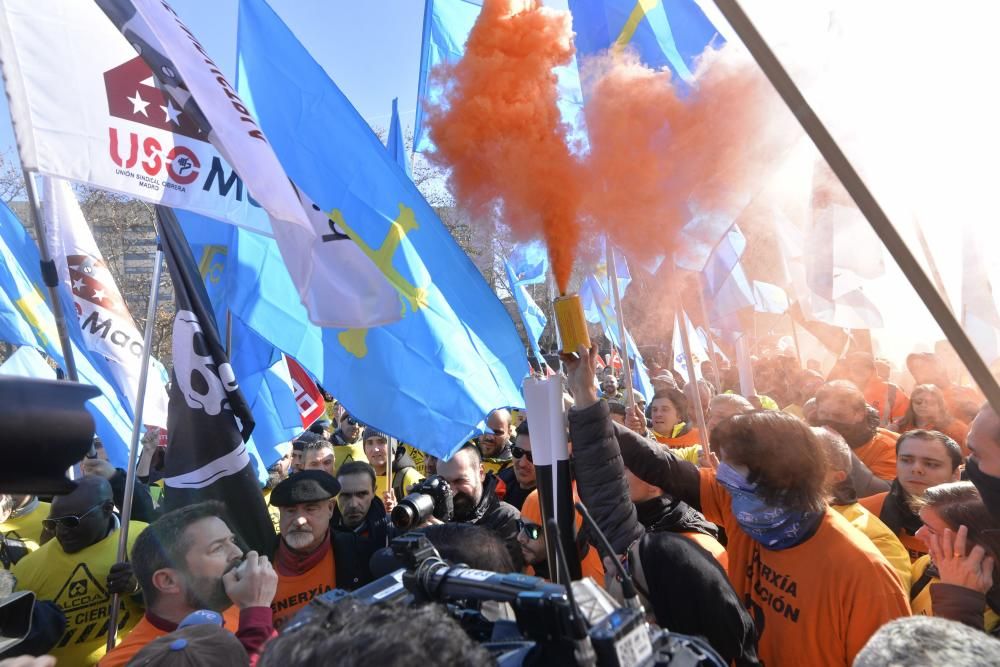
column 550, row 627
column 429, row 497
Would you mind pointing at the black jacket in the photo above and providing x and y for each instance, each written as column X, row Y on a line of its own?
column 688, row 590
column 498, row 516
column 354, row 547
column 667, row 515
column 515, row 495
column 142, row 502
column 600, row 476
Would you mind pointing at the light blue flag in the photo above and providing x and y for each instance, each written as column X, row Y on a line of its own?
column 529, row 262
column 597, row 302
column 665, row 33
column 621, row 270
column 727, row 289
column 214, row 246
column 26, row 362
column 531, row 315
column 447, row 24
column 429, row 379
column 395, row 143
column 26, row 319
column 769, row 298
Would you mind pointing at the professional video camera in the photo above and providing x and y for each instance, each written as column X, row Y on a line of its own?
column 429, row 497
column 47, row 429
column 550, row 627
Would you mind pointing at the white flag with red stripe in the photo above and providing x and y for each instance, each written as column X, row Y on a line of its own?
column 107, row 325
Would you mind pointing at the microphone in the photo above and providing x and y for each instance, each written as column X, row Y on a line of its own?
column 629, row 592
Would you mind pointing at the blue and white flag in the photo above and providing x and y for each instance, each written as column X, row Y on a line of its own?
column 429, row 379
column 597, row 307
column 531, row 315
column 26, row 319
column 394, row 142
column 26, row 362
column 668, row 34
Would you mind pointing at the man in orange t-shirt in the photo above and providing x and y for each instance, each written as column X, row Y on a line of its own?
column 188, row 560
column 304, row 558
column 889, row 401
column 842, row 407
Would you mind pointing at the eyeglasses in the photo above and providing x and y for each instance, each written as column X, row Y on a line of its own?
column 69, row 521
column 532, row 530
column 517, row 453
column 350, row 421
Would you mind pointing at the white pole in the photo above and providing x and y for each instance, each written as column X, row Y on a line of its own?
column 51, row 277
column 622, row 341
column 140, row 399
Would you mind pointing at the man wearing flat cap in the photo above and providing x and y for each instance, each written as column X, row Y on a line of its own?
column 304, row 558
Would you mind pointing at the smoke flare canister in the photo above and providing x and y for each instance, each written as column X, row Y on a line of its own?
column 571, row 323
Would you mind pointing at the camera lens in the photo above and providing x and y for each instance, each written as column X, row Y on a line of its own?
column 412, row 511
column 403, row 516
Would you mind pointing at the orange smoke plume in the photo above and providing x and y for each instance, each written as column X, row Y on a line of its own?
column 500, row 131
column 659, row 153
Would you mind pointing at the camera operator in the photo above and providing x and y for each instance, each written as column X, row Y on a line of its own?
column 475, row 498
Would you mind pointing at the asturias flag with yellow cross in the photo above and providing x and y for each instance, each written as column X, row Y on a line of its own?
column 429, row 379
column 26, row 319
column 665, row 33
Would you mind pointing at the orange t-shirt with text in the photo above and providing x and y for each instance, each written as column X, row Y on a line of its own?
column 816, row 603
column 144, row 632
column 914, row 545
column 295, row 592
column 879, row 454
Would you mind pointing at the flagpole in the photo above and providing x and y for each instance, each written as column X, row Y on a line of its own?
column 682, row 318
column 795, row 337
column 140, row 399
column 390, row 460
column 50, row 277
column 708, row 331
column 862, row 196
column 229, row 332
column 622, row 344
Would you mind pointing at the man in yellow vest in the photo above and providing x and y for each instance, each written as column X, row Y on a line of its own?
column 72, row 569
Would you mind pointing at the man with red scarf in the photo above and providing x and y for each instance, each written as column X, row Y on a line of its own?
column 304, row 558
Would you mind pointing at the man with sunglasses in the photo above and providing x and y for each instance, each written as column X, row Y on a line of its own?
column 348, row 445
column 495, row 442
column 519, row 479
column 73, row 570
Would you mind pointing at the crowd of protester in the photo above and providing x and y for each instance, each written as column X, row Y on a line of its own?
column 822, row 519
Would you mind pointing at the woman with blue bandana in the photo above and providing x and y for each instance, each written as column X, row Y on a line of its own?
column 815, row 586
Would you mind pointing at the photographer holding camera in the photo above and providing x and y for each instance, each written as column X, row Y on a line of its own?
column 461, row 492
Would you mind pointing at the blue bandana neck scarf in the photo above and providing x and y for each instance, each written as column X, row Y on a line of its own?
column 774, row 528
